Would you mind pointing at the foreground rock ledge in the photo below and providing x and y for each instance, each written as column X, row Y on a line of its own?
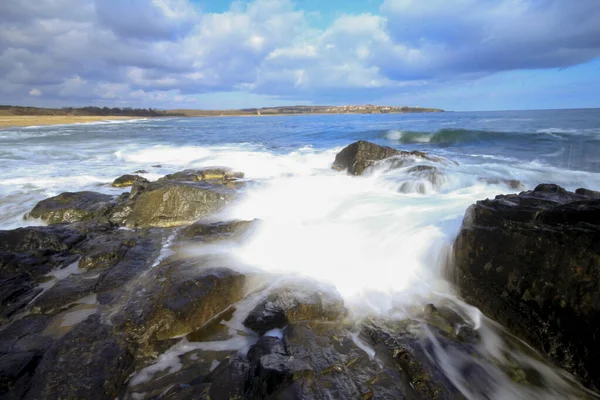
column 532, row 262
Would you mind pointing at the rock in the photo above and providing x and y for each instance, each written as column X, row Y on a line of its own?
column 90, row 362
column 157, row 166
column 589, row 193
column 177, row 298
column 210, row 232
column 140, row 171
column 295, row 303
column 358, row 156
column 205, row 174
column 511, row 183
column 128, row 180
column 170, row 203
column 54, row 238
column 532, row 262
column 73, row 207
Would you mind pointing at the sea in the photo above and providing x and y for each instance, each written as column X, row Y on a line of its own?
column 382, row 240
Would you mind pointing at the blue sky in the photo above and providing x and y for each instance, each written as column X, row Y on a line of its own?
column 456, row 55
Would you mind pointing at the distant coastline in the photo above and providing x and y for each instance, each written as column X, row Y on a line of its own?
column 18, row 116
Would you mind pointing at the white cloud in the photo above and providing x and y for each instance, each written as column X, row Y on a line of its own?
column 35, row 92
column 154, row 50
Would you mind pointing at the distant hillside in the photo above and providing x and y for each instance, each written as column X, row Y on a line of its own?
column 149, row 112
column 86, row 111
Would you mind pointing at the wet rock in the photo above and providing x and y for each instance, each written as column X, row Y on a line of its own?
column 65, row 292
column 170, row 203
column 128, row 180
column 396, row 343
column 293, row 304
column 55, row 238
column 210, row 232
column 511, row 183
column 90, row 362
column 15, row 367
column 532, row 262
column 73, row 207
column 358, row 156
column 157, row 166
column 16, row 292
column 588, row 193
column 140, row 171
column 177, row 298
column 205, row 174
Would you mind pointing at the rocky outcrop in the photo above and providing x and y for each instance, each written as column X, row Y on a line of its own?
column 532, row 262
column 73, row 207
column 128, row 180
column 358, row 156
column 170, row 203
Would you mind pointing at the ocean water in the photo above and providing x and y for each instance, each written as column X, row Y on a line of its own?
column 381, row 240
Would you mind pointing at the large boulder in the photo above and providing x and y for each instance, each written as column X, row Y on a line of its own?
column 358, row 156
column 73, row 207
column 532, row 262
column 170, row 203
column 128, row 180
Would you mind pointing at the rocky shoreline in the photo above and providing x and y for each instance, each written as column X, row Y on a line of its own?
column 92, row 307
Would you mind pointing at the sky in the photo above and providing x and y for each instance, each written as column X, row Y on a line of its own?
column 214, row 54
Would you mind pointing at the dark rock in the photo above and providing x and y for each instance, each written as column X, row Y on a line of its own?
column 65, row 292
column 532, row 262
column 177, row 298
column 588, row 193
column 90, row 362
column 205, row 174
column 56, row 238
column 170, row 203
column 140, row 171
column 128, row 180
column 16, row 292
column 157, row 166
column 511, row 183
column 210, row 232
column 13, row 367
column 293, row 304
column 73, row 207
column 358, row 156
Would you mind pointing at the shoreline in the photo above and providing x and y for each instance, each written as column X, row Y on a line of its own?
column 22, row 121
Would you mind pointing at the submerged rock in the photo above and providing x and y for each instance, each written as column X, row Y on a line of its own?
column 532, row 262
column 358, row 156
column 73, row 207
column 511, row 183
column 128, row 180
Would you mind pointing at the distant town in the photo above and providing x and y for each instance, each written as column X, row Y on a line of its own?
column 150, row 112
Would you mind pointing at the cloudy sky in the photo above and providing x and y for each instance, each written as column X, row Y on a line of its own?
column 453, row 54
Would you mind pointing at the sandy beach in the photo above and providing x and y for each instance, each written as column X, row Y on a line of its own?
column 7, row 121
